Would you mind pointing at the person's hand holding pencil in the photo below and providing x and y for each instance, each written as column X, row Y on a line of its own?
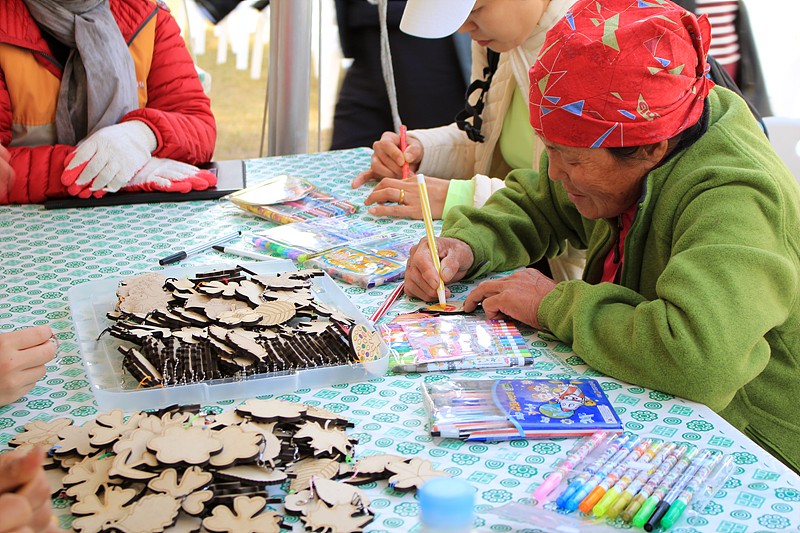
column 425, row 275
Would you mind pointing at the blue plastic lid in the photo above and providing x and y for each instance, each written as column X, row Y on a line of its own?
column 446, row 503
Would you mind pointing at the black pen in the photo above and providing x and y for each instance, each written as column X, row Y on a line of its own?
column 198, row 248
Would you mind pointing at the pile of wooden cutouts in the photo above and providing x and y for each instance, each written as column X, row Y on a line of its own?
column 231, row 323
column 187, row 471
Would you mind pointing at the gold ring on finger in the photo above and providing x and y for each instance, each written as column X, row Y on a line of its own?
column 402, row 196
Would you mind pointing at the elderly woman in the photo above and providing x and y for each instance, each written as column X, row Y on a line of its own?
column 690, row 221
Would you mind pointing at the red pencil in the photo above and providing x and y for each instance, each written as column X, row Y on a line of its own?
column 403, row 146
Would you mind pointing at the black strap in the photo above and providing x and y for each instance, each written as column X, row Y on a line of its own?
column 473, row 129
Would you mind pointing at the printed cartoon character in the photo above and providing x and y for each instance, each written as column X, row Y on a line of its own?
column 566, row 404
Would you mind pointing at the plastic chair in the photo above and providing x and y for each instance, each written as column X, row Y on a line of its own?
column 784, row 134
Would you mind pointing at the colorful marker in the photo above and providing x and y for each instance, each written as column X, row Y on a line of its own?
column 663, row 506
column 628, row 493
column 677, row 471
column 634, row 467
column 653, row 482
column 613, row 476
column 569, row 463
column 601, row 474
column 591, row 469
column 680, row 503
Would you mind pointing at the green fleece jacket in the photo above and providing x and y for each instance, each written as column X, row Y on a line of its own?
column 708, row 305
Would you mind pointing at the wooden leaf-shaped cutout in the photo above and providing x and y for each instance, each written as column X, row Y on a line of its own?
column 412, row 474
column 338, row 519
column 151, row 514
column 101, row 509
column 276, row 312
column 335, row 493
column 320, row 468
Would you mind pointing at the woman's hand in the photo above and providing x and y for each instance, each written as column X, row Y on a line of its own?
column 24, row 494
column 23, row 354
column 387, row 159
column 409, row 205
column 422, row 280
column 516, row 296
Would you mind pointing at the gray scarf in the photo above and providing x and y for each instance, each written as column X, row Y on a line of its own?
column 98, row 86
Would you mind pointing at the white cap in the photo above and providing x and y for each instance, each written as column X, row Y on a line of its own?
column 433, row 19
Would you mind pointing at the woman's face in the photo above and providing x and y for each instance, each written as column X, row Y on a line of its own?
column 502, row 25
column 598, row 184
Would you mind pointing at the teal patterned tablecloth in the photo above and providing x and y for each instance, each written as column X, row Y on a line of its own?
column 45, row 253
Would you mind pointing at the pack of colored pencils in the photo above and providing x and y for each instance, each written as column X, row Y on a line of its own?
column 518, row 408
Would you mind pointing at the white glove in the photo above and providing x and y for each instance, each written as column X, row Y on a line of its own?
column 170, row 176
column 109, row 158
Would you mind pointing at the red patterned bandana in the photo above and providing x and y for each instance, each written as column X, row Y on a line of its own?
column 618, row 73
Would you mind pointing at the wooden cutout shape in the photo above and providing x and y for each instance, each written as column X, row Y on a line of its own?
column 195, row 301
column 132, row 453
column 243, row 316
column 112, row 426
column 307, row 273
column 322, row 309
column 324, row 440
column 41, row 433
column 270, row 446
column 282, row 281
column 218, row 289
column 302, row 502
column 247, row 345
column 300, row 298
column 194, row 317
column 376, row 464
column 181, row 445
column 246, row 517
column 182, row 285
column 412, row 474
column 186, row 524
column 225, row 418
column 191, row 335
column 365, row 344
column 312, row 328
column 254, row 474
column 268, row 410
column 250, row 291
column 217, row 306
column 238, row 446
column 142, row 294
column 151, row 514
column 309, row 468
column 276, row 312
column 326, row 417
column 99, row 510
column 87, row 476
column 188, row 491
column 334, row 493
column 75, row 438
column 342, row 318
column 338, row 519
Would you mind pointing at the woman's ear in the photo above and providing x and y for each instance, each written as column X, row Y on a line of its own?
column 657, row 151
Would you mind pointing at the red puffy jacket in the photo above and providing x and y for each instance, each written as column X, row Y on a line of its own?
column 171, row 98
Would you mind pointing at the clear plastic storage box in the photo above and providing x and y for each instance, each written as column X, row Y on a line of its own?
column 115, row 389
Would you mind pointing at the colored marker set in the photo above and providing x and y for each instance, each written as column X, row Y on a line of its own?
column 517, row 408
column 421, row 342
column 644, row 481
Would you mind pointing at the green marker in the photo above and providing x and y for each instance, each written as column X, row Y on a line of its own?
column 650, row 504
column 685, row 497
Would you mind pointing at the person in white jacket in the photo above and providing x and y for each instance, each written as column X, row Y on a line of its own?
column 459, row 170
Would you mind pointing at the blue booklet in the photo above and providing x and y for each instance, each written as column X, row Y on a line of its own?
column 518, row 408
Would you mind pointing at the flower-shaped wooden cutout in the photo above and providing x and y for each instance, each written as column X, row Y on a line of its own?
column 412, row 474
column 247, row 517
column 188, row 491
column 184, row 445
